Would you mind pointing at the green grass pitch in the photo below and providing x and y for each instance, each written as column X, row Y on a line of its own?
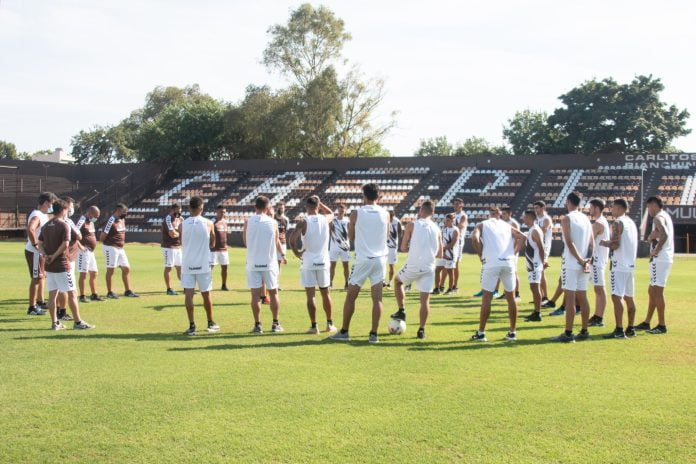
column 136, row 390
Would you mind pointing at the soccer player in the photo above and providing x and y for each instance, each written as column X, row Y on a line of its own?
column 575, row 267
column 447, row 263
column 546, row 224
column 506, row 215
column 395, row 232
column 623, row 247
column 283, row 223
column 423, row 241
column 495, row 242
column 661, row 259
column 262, row 241
column 86, row 261
column 74, row 247
column 35, row 260
column 339, row 245
column 171, row 245
column 218, row 252
column 197, row 235
column 313, row 228
column 53, row 242
column 368, row 229
column 113, row 238
column 536, row 261
column 600, row 231
column 493, row 213
column 461, row 221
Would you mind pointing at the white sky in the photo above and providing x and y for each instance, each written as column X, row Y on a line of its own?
column 455, row 68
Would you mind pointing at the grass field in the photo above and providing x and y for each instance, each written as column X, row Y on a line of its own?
column 136, row 390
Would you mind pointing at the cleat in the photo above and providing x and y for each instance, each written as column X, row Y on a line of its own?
column 213, row 327
column 66, row 317
column 340, row 337
column 548, row 304
column 224, row 288
column 451, row 291
column 436, row 291
column 407, row 288
column 642, row 326
column 518, row 298
column 112, row 296
column 330, row 328
column 511, row 337
column 617, row 333
column 421, row 334
column 630, row 332
column 533, row 317
column 170, row 292
column 596, row 321
column 191, row 331
column 35, row 311
column 560, row 311
column 96, row 297
column 563, row 338
column 497, row 295
column 479, row 337
column 84, row 299
column 582, row 336
column 400, row 315
column 57, row 326
column 313, row 331
column 658, row 330
column 478, row 294
column 42, row 304
column 82, row 325
column 131, row 294
column 257, row 329
column 373, row 339
column 276, row 327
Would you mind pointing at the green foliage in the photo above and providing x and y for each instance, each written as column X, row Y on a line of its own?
column 528, row 133
column 8, row 150
column 437, row 146
column 102, row 145
column 440, row 146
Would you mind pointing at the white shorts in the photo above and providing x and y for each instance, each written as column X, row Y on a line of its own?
column 392, row 256
column 490, row 276
column 373, row 269
column 574, row 280
column 424, row 278
column 256, row 279
column 310, row 278
column 447, row 263
column 86, row 261
column 219, row 257
column 621, row 283
column 203, row 281
column 597, row 276
column 172, row 257
column 659, row 272
column 115, row 257
column 337, row 254
column 61, row 281
column 534, row 276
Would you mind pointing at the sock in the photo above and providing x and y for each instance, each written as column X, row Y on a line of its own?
column 192, row 324
column 373, row 333
column 569, row 332
column 630, row 327
column 583, row 331
column 257, row 323
column 619, row 329
column 478, row 332
column 275, row 321
column 344, row 331
column 314, row 325
column 210, row 322
column 329, row 322
column 402, row 309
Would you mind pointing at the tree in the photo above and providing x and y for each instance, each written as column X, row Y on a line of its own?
column 437, row 146
column 478, row 146
column 311, row 41
column 608, row 117
column 102, row 145
column 8, row 150
column 528, row 133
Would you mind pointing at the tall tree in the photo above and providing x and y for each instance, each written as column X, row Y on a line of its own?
column 437, row 146
column 529, row 133
column 8, row 150
column 478, row 146
column 102, row 145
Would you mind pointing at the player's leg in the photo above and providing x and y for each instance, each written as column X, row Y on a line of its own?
column 81, row 281
column 188, row 302
column 652, row 307
column 600, row 301
column 93, row 282
column 275, row 308
column 53, row 305
column 125, row 276
column 223, row 275
column 311, row 309
column 399, row 293
column 536, row 297
column 618, row 311
column 508, row 280
column 582, row 301
column 256, row 307
column 455, row 275
column 327, row 304
column 40, row 285
column 660, row 304
column 376, row 294
column 485, row 312
column 332, row 271
column 424, row 311
column 543, row 286
column 71, row 298
column 109, row 277
column 167, row 283
column 178, row 272
column 630, row 312
column 208, row 305
column 349, row 306
column 346, row 274
column 62, row 302
column 569, row 304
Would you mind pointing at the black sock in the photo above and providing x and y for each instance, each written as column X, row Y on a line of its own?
column 314, row 325
column 373, row 333
column 583, row 331
column 569, row 333
column 257, row 323
column 344, row 331
column 329, row 321
column 192, row 325
column 403, row 310
column 210, row 322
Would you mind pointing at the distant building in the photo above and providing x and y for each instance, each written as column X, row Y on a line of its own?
column 59, row 155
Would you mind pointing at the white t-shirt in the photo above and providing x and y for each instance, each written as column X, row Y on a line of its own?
column 580, row 235
column 43, row 219
column 548, row 235
column 462, row 232
column 532, row 253
column 262, row 254
column 371, row 232
column 624, row 257
column 315, row 242
column 447, row 236
column 498, row 244
column 195, row 244
column 339, row 234
column 513, row 222
column 601, row 253
column 425, row 241
column 666, row 254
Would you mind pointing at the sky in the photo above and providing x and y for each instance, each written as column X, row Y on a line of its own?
column 455, row 68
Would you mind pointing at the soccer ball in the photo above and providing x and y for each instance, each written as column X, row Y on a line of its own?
column 397, row 326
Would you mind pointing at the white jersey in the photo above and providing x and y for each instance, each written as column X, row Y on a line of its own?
column 315, row 242
column 393, row 237
column 548, row 235
column 462, row 232
column 425, row 241
column 498, row 244
column 447, row 235
column 262, row 254
column 666, row 254
column 371, row 232
column 195, row 242
column 532, row 253
column 581, row 236
column 601, row 253
column 624, row 257
column 43, row 219
column 339, row 234
column 513, row 223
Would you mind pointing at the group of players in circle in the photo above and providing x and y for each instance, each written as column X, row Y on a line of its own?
column 321, row 239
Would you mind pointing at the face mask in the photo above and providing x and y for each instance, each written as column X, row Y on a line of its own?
column 123, row 216
column 50, row 210
column 176, row 215
column 93, row 220
column 71, row 212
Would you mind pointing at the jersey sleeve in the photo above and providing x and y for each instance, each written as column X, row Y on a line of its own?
column 81, row 222
column 109, row 223
column 168, row 221
column 65, row 232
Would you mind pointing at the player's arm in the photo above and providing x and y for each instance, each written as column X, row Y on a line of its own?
column 106, row 229
column 211, row 231
column 440, row 251
column 476, row 239
column 171, row 230
column 615, row 239
column 597, row 229
column 536, row 237
column 661, row 230
column 546, row 225
column 351, row 225
column 570, row 246
column 400, row 231
column 32, row 227
column 279, row 246
column 65, row 243
column 244, row 231
column 455, row 239
column 300, row 228
column 463, row 222
column 406, row 239
column 328, row 214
